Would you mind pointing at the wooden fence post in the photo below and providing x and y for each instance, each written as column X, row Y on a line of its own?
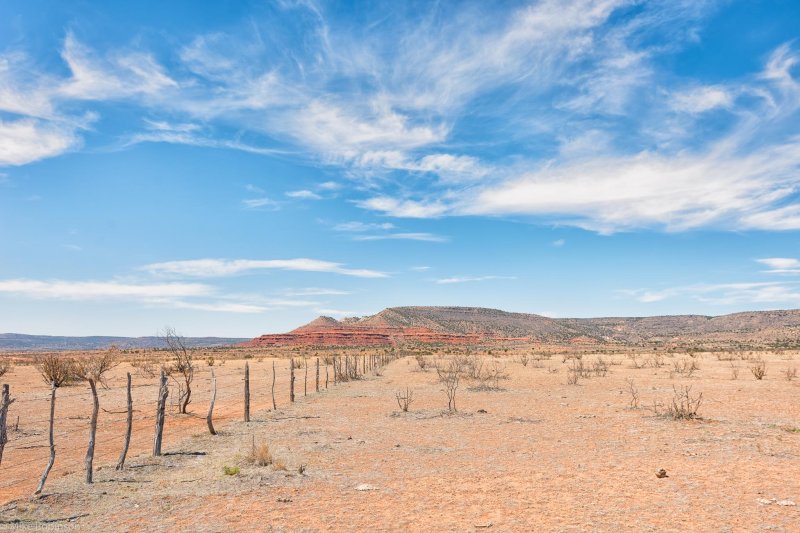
column 326, row 376
column 246, row 392
column 291, row 380
column 274, row 405
column 52, row 440
column 127, row 442
column 163, row 392
column 305, row 378
column 5, row 401
column 89, row 459
column 209, row 417
column 317, row 374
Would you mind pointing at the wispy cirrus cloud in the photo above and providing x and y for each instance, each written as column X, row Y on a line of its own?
column 411, row 236
column 315, row 291
column 469, row 279
column 304, row 194
column 781, row 265
column 87, row 290
column 210, row 268
column 750, row 293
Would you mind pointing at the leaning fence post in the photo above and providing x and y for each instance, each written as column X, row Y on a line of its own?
column 52, row 440
column 163, row 392
column 127, row 442
column 305, row 379
column 317, row 374
column 291, row 380
column 246, row 392
column 209, row 417
column 5, row 401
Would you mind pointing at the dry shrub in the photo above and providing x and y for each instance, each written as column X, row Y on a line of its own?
column 144, row 366
column 279, row 463
column 449, row 375
column 523, row 359
column 210, row 361
column 634, row 392
column 404, row 399
column 600, row 368
column 790, row 373
column 683, row 405
column 55, row 369
column 759, row 369
column 734, row 371
column 422, row 362
column 259, row 455
column 685, row 367
column 5, row 366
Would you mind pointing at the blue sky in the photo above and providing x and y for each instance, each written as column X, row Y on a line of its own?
column 238, row 168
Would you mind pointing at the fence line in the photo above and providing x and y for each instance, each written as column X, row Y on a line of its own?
column 230, row 398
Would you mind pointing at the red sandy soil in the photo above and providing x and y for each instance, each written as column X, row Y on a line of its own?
column 544, row 456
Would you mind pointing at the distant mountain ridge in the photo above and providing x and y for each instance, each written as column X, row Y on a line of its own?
column 468, row 325
column 40, row 343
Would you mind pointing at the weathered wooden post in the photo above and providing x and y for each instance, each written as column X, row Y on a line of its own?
column 5, row 402
column 129, row 428
column 89, row 459
column 305, row 378
column 52, row 440
column 291, row 380
column 246, row 392
column 274, row 405
column 317, row 374
column 161, row 405
column 210, row 415
column 326, row 377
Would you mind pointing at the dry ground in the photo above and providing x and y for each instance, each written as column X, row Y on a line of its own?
column 544, row 456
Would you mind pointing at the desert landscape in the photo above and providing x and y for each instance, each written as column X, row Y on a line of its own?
column 400, row 266
column 531, row 436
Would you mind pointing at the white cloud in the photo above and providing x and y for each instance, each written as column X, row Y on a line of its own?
column 356, row 226
column 781, row 265
column 336, row 312
column 315, row 291
column 26, row 140
column 255, row 203
column 216, row 307
column 404, row 207
column 419, row 236
column 420, row 268
column 209, row 268
column 304, row 195
column 87, row 290
column 702, row 99
column 329, row 186
column 559, row 243
column 253, row 188
column 725, row 293
column 467, row 279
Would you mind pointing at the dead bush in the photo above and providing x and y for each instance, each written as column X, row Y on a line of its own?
column 56, row 370
column 5, row 367
column 634, row 393
column 734, row 371
column 759, row 369
column 144, row 366
column 685, row 367
column 422, row 362
column 790, row 373
column 259, row 455
column 523, row 360
column 404, row 399
column 181, row 369
column 600, row 368
column 449, row 375
column 683, row 405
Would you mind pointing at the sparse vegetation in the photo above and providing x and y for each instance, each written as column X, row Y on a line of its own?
column 181, row 368
column 5, row 367
column 634, row 394
column 404, row 399
column 790, row 373
column 759, row 369
column 683, row 405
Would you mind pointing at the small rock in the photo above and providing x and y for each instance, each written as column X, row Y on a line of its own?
column 786, row 503
column 763, row 501
column 482, row 411
column 661, row 474
column 365, row 486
